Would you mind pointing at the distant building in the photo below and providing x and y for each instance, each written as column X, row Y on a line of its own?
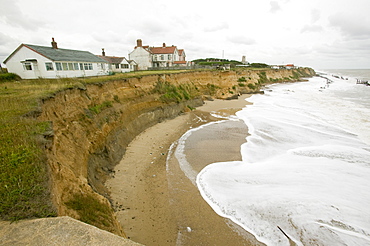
column 118, row 64
column 164, row 56
column 33, row 61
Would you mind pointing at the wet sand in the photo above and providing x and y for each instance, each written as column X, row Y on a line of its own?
column 155, row 202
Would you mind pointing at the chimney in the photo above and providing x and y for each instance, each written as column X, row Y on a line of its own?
column 103, row 52
column 139, row 43
column 164, row 44
column 54, row 44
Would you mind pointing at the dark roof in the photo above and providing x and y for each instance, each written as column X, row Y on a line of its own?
column 61, row 54
column 112, row 59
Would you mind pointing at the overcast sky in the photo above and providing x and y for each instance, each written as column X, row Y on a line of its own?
column 315, row 33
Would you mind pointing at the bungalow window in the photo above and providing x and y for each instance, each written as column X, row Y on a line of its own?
column 162, row 57
column 27, row 66
column 102, row 66
column 81, row 66
column 49, row 66
column 75, row 65
column 124, row 65
column 70, row 66
column 169, row 57
column 65, row 66
column 58, row 66
column 88, row 66
column 117, row 66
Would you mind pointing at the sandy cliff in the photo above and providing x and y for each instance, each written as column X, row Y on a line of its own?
column 93, row 124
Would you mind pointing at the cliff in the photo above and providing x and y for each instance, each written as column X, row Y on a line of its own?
column 93, row 124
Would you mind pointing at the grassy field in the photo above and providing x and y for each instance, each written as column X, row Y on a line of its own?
column 24, row 183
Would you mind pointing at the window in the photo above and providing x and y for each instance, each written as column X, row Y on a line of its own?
column 70, row 66
column 169, row 57
column 65, row 66
column 75, row 65
column 155, row 57
column 27, row 66
column 81, row 66
column 102, row 66
column 162, row 57
column 117, row 66
column 49, row 66
column 124, row 65
column 58, row 65
column 88, row 66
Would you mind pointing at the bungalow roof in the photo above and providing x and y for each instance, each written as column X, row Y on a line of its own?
column 112, row 59
column 60, row 54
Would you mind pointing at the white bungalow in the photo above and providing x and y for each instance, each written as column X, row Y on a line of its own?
column 33, row 61
column 118, row 64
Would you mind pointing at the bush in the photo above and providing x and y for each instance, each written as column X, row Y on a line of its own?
column 173, row 93
column 252, row 86
column 242, row 79
column 5, row 77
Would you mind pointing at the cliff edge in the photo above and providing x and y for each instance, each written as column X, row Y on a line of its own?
column 93, row 124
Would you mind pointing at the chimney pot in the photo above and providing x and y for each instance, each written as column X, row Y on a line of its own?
column 164, row 44
column 54, row 44
column 103, row 52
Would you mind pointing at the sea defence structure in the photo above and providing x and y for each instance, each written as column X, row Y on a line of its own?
column 91, row 126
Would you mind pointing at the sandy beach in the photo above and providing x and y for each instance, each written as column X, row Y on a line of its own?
column 155, row 202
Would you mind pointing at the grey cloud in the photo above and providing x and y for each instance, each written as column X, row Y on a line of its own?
column 315, row 15
column 311, row 28
column 353, row 26
column 13, row 16
column 274, row 6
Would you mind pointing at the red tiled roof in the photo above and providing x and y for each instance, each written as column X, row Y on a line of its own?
column 163, row 50
column 180, row 51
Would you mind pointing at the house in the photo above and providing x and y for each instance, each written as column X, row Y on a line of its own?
column 141, row 55
column 164, row 56
column 118, row 64
column 33, row 61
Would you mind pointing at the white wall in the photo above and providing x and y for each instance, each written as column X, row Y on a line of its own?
column 141, row 57
column 14, row 65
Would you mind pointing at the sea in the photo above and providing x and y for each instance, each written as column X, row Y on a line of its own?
column 304, row 177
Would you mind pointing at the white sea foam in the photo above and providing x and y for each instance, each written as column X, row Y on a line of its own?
column 305, row 168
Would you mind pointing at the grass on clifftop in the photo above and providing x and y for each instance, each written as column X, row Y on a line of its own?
column 24, row 183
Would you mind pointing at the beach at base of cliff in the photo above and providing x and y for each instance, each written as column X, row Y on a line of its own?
column 155, row 202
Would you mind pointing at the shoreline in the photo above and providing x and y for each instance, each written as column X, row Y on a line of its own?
column 155, row 203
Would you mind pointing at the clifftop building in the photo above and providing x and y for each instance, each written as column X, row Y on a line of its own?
column 164, row 56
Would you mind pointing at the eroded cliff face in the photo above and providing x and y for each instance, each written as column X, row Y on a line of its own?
column 93, row 124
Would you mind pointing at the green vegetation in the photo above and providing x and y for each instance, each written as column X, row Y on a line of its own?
column 96, row 109
column 262, row 78
column 258, row 65
column 216, row 62
column 252, row 86
column 8, row 77
column 24, row 181
column 242, row 79
column 173, row 93
column 91, row 210
column 211, row 89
